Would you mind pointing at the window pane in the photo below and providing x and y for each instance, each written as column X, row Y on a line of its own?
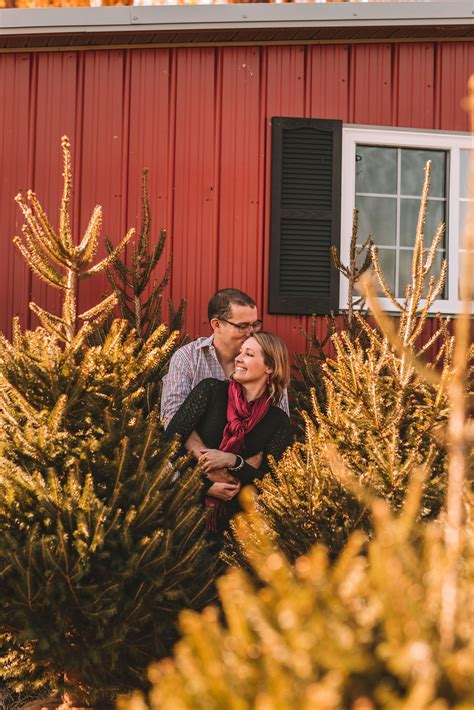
column 376, row 170
column 413, row 163
column 464, row 177
column 378, row 217
column 387, row 258
column 435, row 214
column 463, row 213
column 404, row 272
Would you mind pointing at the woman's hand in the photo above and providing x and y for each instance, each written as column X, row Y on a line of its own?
column 211, row 459
column 223, row 491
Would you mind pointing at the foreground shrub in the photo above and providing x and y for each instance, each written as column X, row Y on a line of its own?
column 360, row 634
column 100, row 548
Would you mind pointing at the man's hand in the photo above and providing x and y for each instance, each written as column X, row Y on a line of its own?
column 194, row 444
column 210, row 459
column 224, row 491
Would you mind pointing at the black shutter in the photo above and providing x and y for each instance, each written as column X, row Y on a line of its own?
column 305, row 215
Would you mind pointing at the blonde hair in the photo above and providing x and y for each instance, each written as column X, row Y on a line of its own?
column 275, row 355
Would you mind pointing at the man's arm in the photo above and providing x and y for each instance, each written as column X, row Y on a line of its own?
column 177, row 384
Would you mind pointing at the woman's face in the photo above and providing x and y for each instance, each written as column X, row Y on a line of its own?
column 250, row 366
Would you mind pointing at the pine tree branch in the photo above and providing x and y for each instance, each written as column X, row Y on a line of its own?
column 48, row 275
column 108, row 260
column 88, row 246
column 101, row 310
column 64, row 219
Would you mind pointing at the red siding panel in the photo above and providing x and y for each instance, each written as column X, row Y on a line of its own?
column 15, row 176
column 199, row 119
column 105, row 112
column 455, row 64
column 151, row 142
column 57, row 104
column 415, row 77
column 328, row 81
column 371, row 84
column 195, row 203
column 240, row 246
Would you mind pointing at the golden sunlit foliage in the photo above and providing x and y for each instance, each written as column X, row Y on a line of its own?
column 100, row 551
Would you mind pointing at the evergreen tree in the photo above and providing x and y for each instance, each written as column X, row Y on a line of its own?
column 381, row 417
column 140, row 298
column 140, row 295
column 359, row 634
column 101, row 547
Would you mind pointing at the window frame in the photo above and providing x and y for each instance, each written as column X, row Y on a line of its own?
column 452, row 142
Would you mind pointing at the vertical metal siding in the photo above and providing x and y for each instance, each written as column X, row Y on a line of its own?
column 195, row 185
column 199, row 119
column 241, row 136
column 151, row 141
column 15, row 174
column 55, row 103
column 371, row 84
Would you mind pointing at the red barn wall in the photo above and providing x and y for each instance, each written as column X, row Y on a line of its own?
column 199, row 119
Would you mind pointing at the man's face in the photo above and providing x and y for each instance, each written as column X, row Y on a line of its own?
column 230, row 336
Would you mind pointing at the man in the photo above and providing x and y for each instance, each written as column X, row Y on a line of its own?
column 233, row 317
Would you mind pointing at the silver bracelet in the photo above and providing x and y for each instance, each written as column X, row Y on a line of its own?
column 239, row 462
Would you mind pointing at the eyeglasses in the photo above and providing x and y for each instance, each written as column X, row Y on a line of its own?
column 244, row 327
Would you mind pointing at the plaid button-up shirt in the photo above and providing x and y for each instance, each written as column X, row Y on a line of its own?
column 189, row 365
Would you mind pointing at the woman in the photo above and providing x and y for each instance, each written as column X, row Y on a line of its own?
column 238, row 420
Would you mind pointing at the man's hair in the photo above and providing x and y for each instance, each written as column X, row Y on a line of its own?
column 222, row 301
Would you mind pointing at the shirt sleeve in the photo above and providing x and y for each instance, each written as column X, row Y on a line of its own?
column 279, row 441
column 283, row 403
column 177, row 384
column 192, row 411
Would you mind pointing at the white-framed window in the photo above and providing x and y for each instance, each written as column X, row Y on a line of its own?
column 382, row 175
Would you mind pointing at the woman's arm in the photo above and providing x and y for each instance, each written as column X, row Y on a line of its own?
column 279, row 441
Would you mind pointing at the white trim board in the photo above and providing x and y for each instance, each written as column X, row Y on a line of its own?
column 400, row 138
column 259, row 15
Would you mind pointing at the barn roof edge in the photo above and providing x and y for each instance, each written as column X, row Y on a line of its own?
column 88, row 20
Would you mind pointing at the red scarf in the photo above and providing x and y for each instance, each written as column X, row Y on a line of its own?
column 242, row 416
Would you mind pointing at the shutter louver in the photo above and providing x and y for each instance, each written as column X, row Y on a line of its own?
column 305, row 215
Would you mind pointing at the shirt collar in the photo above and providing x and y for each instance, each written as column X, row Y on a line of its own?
column 205, row 342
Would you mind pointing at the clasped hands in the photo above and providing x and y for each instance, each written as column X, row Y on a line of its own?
column 215, row 463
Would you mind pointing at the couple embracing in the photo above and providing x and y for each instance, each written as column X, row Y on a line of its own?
column 225, row 396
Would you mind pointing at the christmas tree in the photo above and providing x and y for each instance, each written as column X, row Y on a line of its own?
column 101, row 546
column 381, row 417
column 360, row 634
column 140, row 299
column 140, row 294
